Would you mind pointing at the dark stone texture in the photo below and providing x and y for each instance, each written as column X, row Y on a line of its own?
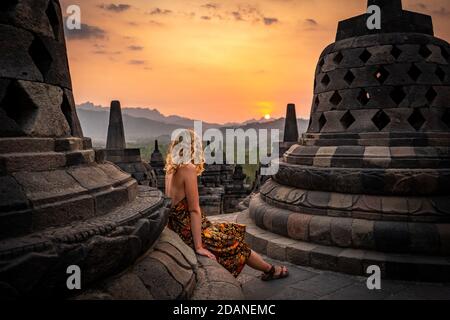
column 100, row 250
column 12, row 196
column 34, row 265
column 116, row 134
column 158, row 281
column 291, row 127
column 69, row 111
column 15, row 61
column 391, row 236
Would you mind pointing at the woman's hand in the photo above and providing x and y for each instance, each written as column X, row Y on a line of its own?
column 206, row 253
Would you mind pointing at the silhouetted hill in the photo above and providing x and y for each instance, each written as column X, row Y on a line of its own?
column 95, row 126
column 146, row 124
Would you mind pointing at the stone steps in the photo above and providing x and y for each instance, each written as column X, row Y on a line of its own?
column 45, row 161
column 149, row 204
column 351, row 261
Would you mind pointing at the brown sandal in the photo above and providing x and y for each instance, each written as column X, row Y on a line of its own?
column 270, row 275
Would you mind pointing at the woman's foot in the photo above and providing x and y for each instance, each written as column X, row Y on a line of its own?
column 275, row 273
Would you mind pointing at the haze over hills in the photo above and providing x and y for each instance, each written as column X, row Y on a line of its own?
column 147, row 124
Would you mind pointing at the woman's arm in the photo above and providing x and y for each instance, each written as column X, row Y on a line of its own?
column 193, row 199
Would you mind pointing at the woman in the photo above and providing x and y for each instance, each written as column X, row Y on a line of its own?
column 222, row 242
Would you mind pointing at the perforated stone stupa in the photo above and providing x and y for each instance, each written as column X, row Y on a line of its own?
column 369, row 183
column 60, row 203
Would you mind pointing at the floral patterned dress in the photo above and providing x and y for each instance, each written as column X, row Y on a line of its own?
column 224, row 240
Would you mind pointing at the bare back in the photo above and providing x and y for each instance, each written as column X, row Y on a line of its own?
column 183, row 184
column 175, row 187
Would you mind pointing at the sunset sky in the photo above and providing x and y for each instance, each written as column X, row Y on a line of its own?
column 218, row 61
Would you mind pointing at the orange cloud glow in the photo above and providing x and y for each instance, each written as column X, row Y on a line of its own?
column 217, row 61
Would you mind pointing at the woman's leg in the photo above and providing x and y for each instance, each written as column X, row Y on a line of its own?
column 255, row 261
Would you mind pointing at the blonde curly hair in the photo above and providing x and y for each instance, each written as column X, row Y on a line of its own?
column 186, row 148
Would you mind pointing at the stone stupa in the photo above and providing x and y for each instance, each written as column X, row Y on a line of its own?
column 369, row 183
column 157, row 163
column 127, row 159
column 60, row 203
column 290, row 136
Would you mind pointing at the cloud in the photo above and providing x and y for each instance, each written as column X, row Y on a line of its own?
column 442, row 12
column 270, row 21
column 205, row 18
column 213, row 6
column 155, row 23
column 115, row 7
column 237, row 15
column 159, row 11
column 104, row 52
column 137, row 62
column 421, row 5
column 311, row 22
column 252, row 14
column 86, row 32
column 135, row 48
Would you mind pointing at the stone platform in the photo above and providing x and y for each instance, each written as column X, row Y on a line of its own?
column 168, row 271
column 345, row 260
column 306, row 283
column 124, row 233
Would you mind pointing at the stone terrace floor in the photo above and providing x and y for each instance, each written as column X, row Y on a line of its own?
column 312, row 284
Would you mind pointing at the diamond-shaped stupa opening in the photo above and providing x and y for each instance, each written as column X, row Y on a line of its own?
column 347, row 120
column 40, row 55
column 425, row 52
column 363, row 97
column 338, row 58
column 336, row 98
column 365, row 56
column 53, row 19
column 397, row 95
column 322, row 121
column 381, row 75
column 446, row 118
column 19, row 107
column 317, row 101
column 349, row 77
column 414, row 72
column 444, row 53
column 381, row 120
column 440, row 73
column 396, row 52
column 431, row 95
column 326, row 80
column 416, row 120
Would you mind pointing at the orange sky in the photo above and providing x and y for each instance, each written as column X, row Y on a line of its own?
column 219, row 61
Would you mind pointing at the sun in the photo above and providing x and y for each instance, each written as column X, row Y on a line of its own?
column 267, row 117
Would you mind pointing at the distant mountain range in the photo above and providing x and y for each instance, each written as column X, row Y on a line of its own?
column 147, row 124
